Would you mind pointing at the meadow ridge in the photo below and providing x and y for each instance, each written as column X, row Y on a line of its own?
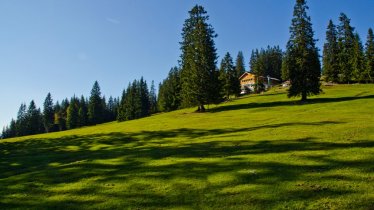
column 256, row 152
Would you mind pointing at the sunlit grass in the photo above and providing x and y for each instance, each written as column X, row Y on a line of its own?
column 257, row 152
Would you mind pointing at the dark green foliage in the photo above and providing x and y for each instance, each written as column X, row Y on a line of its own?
column 135, row 101
column 239, row 65
column 228, row 77
column 152, row 99
column 82, row 112
column 274, row 62
column 346, row 42
column 267, row 62
column 95, row 105
column 61, row 114
column 105, row 112
column 111, row 109
column 284, row 68
column 9, row 131
column 33, row 119
column 72, row 118
column 69, row 114
column 358, row 60
column 59, row 120
column 169, row 94
column 253, row 61
column 369, row 55
column 144, row 98
column 121, row 116
column 29, row 121
column 198, row 60
column 21, row 121
column 330, row 54
column 302, row 59
column 48, row 113
column 130, row 107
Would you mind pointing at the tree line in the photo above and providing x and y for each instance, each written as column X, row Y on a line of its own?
column 137, row 101
column 345, row 60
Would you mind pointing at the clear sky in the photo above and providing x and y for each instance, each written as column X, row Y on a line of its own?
column 63, row 46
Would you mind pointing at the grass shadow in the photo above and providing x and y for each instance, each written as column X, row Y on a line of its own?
column 285, row 103
column 182, row 175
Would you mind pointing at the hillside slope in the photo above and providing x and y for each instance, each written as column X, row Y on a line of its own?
column 257, row 152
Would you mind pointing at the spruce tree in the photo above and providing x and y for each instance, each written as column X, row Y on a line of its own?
column 105, row 113
column 144, row 98
column 264, row 63
column 358, row 60
column 95, row 106
column 9, row 131
column 330, row 54
column 34, row 119
column 302, row 56
column 122, row 107
column 72, row 118
column 48, row 113
column 228, row 77
column 82, row 112
column 239, row 65
column 346, row 41
column 111, row 109
column 62, row 114
column 4, row 133
column 255, row 64
column 59, row 121
column 131, row 103
column 21, row 121
column 198, row 60
column 275, row 56
column 253, row 60
column 153, row 98
column 136, row 100
column 284, row 68
column 12, row 128
column 369, row 55
column 169, row 94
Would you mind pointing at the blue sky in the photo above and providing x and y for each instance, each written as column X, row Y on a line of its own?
column 62, row 47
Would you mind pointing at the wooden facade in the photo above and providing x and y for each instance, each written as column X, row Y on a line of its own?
column 248, row 82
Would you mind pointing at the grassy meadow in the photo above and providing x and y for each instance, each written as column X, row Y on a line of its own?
column 257, row 152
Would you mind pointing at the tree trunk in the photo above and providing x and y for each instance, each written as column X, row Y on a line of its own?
column 200, row 108
column 303, row 96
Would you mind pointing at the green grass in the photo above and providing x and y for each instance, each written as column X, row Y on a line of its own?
column 258, row 152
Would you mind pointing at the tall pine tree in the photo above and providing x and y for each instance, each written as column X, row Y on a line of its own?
column 369, row 55
column 48, row 113
column 82, row 112
column 228, row 77
column 330, row 54
column 144, row 98
column 95, row 105
column 152, row 99
column 302, row 56
column 198, row 60
column 358, row 60
column 346, row 42
column 239, row 64
column 111, row 108
column 169, row 94
column 21, row 128
column 121, row 116
column 34, row 119
column 72, row 118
